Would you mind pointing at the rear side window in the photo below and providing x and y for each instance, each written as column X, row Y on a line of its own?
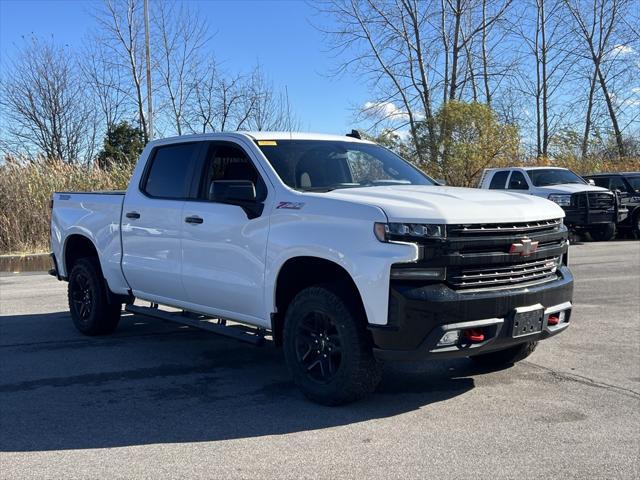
column 601, row 181
column 517, row 181
column 498, row 180
column 170, row 173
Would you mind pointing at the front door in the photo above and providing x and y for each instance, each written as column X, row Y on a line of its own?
column 152, row 222
column 223, row 254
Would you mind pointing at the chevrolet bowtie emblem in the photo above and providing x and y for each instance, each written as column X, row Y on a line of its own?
column 524, row 248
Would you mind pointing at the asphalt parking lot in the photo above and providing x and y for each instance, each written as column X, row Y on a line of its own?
column 156, row 399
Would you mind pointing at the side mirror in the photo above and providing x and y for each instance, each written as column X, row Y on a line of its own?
column 235, row 192
column 441, row 181
column 591, row 182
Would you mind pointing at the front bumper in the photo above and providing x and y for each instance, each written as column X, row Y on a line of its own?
column 584, row 218
column 420, row 315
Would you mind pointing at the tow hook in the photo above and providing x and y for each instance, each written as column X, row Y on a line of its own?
column 554, row 319
column 473, row 335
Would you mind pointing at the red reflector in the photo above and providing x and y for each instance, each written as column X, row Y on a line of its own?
column 474, row 335
column 553, row 320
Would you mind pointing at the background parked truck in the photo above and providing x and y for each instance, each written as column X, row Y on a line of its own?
column 588, row 208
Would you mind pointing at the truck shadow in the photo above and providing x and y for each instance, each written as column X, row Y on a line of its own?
column 154, row 382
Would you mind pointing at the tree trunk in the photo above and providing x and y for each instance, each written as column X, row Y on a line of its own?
column 587, row 123
column 455, row 51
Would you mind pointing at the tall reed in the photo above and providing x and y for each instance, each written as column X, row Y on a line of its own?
column 25, row 191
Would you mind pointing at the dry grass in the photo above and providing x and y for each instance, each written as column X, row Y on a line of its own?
column 25, row 191
column 26, row 187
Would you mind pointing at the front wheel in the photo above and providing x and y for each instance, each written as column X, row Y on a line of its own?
column 506, row 357
column 327, row 347
column 91, row 311
column 603, row 233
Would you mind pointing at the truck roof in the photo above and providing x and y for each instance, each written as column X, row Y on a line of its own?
column 524, row 168
column 612, row 174
column 259, row 135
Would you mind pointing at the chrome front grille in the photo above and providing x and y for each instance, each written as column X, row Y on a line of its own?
column 501, row 275
column 506, row 229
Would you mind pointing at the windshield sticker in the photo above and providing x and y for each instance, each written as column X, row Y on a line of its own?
column 291, row 205
column 267, row 143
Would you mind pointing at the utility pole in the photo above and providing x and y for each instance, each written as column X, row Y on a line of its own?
column 148, row 49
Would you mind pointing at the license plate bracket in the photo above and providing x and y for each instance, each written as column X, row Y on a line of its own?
column 527, row 321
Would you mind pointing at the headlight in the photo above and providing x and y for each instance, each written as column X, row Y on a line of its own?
column 386, row 232
column 561, row 199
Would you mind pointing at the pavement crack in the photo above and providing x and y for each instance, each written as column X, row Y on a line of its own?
column 574, row 377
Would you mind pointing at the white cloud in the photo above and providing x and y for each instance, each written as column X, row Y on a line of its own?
column 622, row 50
column 387, row 110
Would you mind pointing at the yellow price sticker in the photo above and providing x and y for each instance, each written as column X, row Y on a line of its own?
column 267, row 143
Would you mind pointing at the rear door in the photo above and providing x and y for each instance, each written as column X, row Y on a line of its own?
column 152, row 222
column 223, row 254
column 499, row 180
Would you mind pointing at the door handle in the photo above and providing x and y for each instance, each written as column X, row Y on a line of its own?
column 132, row 215
column 193, row 219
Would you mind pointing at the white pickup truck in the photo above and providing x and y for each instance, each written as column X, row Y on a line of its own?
column 334, row 247
column 588, row 208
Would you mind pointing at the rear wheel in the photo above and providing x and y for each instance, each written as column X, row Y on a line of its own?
column 603, row 233
column 327, row 348
column 89, row 305
column 506, row 357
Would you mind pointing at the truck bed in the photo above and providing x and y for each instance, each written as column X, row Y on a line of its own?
column 96, row 216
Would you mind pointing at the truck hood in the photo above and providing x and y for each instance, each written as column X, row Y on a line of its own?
column 450, row 205
column 570, row 188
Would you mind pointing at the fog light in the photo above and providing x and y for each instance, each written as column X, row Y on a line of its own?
column 418, row 273
column 449, row 338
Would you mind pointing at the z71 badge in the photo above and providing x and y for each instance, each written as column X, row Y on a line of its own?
column 291, row 205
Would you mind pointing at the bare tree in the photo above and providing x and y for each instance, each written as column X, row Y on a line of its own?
column 597, row 23
column 263, row 107
column 179, row 39
column 463, row 35
column 105, row 83
column 44, row 107
column 122, row 32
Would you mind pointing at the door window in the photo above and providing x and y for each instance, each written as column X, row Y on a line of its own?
column 617, row 183
column 499, row 180
column 169, row 174
column 230, row 162
column 517, row 181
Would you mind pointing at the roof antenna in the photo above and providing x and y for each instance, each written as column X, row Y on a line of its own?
column 354, row 134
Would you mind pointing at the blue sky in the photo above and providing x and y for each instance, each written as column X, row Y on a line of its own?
column 277, row 34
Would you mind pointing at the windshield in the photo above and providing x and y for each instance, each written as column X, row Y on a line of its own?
column 322, row 166
column 552, row 176
column 635, row 183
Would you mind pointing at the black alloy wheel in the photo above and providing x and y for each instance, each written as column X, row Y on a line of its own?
column 318, row 346
column 81, row 296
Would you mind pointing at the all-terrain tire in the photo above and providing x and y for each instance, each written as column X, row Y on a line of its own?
column 91, row 311
column 506, row 357
column 604, row 233
column 322, row 318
